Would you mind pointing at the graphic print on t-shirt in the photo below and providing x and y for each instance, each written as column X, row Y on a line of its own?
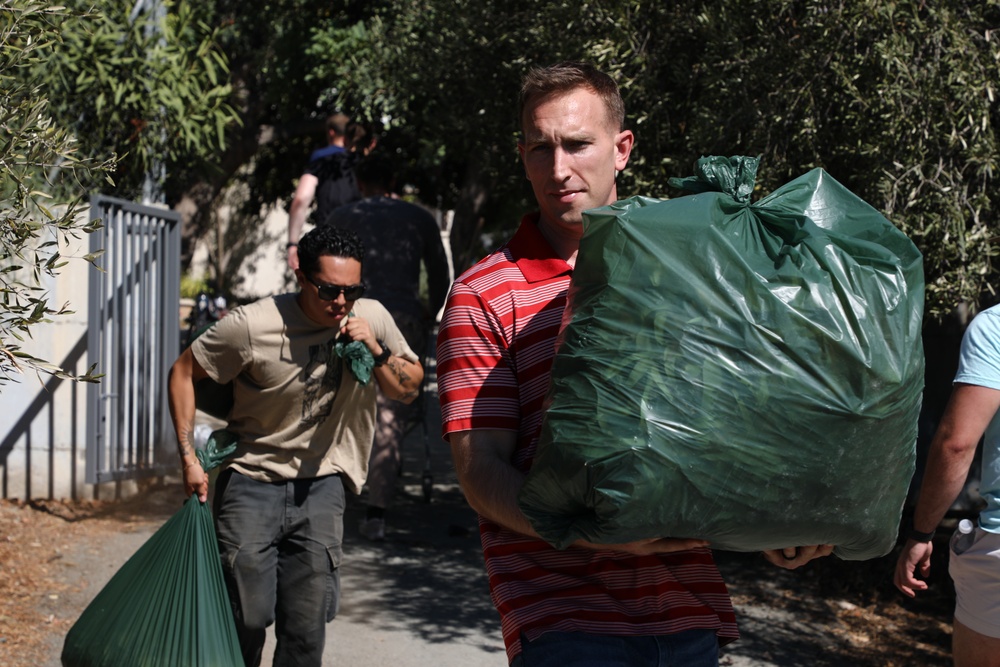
column 321, row 377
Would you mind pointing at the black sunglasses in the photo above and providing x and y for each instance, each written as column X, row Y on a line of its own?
column 331, row 292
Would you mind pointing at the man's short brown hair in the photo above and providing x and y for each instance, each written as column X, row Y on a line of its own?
column 337, row 123
column 567, row 76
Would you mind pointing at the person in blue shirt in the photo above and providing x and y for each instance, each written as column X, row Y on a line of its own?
column 971, row 414
column 328, row 179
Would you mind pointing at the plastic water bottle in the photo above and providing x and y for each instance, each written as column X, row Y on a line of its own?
column 963, row 537
column 201, row 434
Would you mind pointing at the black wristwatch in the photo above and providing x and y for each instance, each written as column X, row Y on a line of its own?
column 917, row 536
column 386, row 353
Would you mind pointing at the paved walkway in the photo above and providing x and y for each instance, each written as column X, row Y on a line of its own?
column 420, row 598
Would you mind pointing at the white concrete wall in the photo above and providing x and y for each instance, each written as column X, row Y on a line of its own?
column 43, row 434
column 265, row 270
column 55, row 442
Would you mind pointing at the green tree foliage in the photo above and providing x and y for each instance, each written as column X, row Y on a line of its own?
column 895, row 99
column 152, row 89
column 281, row 112
column 444, row 76
column 78, row 84
column 32, row 145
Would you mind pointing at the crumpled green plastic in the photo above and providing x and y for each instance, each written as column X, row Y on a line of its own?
column 220, row 445
column 746, row 373
column 358, row 357
column 734, row 176
column 168, row 605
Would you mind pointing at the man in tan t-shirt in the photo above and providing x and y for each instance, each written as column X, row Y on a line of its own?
column 304, row 415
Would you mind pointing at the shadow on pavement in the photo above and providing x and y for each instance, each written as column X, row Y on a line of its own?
column 427, row 577
column 424, row 587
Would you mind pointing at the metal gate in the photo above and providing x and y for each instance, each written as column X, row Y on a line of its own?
column 133, row 337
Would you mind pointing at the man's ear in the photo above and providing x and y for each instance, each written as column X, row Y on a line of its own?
column 623, row 149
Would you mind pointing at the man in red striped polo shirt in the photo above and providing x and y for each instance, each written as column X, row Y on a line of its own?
column 655, row 602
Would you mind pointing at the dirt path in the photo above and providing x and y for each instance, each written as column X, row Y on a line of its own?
column 833, row 613
column 54, row 557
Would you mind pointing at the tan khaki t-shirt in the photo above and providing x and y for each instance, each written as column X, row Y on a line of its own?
column 298, row 410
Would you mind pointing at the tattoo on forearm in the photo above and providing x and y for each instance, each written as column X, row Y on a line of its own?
column 399, row 370
column 185, row 437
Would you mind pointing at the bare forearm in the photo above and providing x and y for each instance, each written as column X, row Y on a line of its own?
column 296, row 220
column 182, row 409
column 492, row 485
column 946, row 472
column 969, row 411
column 491, row 488
column 400, row 379
column 185, row 372
column 301, row 201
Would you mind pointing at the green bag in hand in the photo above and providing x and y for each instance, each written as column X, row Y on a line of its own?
column 749, row 374
column 168, row 605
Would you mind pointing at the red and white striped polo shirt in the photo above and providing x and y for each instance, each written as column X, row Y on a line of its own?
column 495, row 349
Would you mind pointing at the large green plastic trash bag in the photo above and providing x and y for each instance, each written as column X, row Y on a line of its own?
column 167, row 606
column 749, row 374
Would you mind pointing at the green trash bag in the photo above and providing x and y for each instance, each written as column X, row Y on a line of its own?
column 749, row 374
column 167, row 606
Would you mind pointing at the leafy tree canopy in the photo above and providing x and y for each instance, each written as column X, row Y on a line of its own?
column 896, row 99
column 144, row 80
column 36, row 154
column 92, row 97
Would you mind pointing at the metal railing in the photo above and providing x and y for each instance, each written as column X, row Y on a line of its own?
column 133, row 337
